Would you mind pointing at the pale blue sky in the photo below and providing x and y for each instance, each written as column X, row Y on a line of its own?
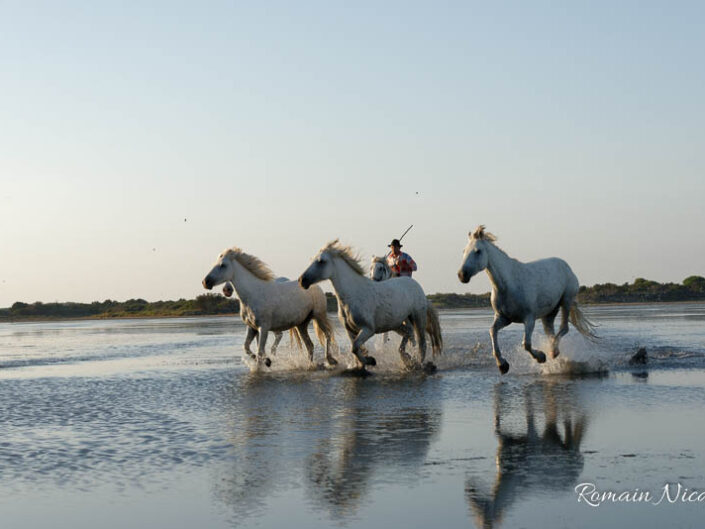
column 570, row 129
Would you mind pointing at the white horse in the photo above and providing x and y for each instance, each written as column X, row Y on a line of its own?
column 366, row 307
column 523, row 292
column 271, row 305
column 228, row 290
column 381, row 271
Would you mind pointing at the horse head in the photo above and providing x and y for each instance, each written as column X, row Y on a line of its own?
column 379, row 269
column 319, row 270
column 220, row 273
column 475, row 255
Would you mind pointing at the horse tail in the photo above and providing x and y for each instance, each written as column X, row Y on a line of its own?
column 295, row 338
column 323, row 330
column 433, row 328
column 582, row 324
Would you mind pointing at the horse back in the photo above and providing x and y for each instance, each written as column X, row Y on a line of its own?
column 555, row 281
column 537, row 289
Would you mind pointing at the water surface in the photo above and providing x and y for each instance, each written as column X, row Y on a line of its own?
column 159, row 423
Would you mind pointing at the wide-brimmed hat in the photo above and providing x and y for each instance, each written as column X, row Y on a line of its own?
column 395, row 242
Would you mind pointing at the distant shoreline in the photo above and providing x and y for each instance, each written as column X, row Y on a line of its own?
column 642, row 291
column 43, row 319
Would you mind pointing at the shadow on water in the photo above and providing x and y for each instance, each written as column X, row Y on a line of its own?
column 336, row 438
column 539, row 430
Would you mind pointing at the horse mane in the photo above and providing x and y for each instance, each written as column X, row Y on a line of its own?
column 346, row 253
column 482, row 235
column 377, row 259
column 258, row 268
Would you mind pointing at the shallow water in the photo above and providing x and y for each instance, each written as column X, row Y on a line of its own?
column 159, row 423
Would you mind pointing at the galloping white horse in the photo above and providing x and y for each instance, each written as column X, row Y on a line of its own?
column 228, row 290
column 366, row 307
column 271, row 305
column 523, row 292
column 381, row 271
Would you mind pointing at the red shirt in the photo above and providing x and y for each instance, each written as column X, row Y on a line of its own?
column 402, row 264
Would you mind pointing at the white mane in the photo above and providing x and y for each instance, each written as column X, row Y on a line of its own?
column 336, row 249
column 250, row 262
column 482, row 235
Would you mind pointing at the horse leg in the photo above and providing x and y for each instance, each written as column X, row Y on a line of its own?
column 406, row 332
column 563, row 330
column 262, row 342
column 277, row 339
column 365, row 334
column 251, row 333
column 528, row 331
column 418, row 321
column 352, row 334
column 324, row 325
column 500, row 322
column 407, row 323
column 329, row 356
column 303, row 331
column 328, row 333
column 548, row 328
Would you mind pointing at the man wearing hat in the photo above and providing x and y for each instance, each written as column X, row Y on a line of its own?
column 400, row 262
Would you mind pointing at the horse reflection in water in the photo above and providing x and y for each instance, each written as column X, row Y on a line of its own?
column 253, row 430
column 336, row 437
column 370, row 444
column 540, row 456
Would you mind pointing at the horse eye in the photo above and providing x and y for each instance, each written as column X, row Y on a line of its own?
column 222, row 265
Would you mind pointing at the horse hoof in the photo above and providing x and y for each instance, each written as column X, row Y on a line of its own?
column 430, row 368
column 355, row 372
column 540, row 357
column 504, row 367
column 555, row 353
column 370, row 361
column 332, row 362
column 267, row 362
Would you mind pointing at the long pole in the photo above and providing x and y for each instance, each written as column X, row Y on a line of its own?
column 407, row 231
column 402, row 236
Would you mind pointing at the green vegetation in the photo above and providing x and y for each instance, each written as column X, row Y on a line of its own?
column 205, row 304
column 641, row 291
column 460, row 301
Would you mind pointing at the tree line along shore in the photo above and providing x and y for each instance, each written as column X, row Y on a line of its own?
column 640, row 291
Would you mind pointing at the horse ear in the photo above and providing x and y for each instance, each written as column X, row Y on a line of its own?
column 479, row 232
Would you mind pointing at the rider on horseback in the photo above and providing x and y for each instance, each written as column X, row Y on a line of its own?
column 400, row 262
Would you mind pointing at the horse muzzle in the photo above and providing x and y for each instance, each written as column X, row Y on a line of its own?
column 208, row 283
column 304, row 283
column 463, row 276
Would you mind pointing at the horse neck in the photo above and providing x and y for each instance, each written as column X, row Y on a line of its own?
column 499, row 267
column 387, row 271
column 346, row 281
column 245, row 283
